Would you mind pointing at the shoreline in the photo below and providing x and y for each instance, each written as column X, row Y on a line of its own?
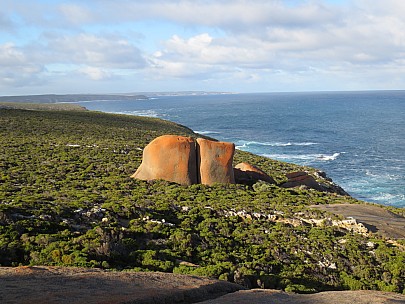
column 75, row 106
column 96, row 216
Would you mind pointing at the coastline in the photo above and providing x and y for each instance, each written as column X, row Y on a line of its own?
column 243, row 146
column 89, row 212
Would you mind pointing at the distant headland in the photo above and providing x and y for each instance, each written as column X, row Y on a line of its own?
column 57, row 98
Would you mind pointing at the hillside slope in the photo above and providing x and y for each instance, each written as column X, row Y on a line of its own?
column 66, row 199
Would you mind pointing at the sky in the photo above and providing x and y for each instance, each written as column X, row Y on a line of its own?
column 123, row 46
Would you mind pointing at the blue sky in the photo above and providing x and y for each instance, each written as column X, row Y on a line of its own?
column 105, row 46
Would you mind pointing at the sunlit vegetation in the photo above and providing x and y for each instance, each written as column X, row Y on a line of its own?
column 42, row 106
column 66, row 198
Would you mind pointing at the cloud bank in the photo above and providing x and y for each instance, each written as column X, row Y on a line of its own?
column 224, row 45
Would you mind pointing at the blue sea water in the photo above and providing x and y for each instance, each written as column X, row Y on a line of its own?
column 358, row 138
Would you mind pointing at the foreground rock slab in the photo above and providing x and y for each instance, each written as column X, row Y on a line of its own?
column 45, row 284
column 80, row 285
column 261, row 296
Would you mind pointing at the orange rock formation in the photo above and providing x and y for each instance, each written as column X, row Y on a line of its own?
column 215, row 162
column 169, row 157
column 246, row 173
column 186, row 161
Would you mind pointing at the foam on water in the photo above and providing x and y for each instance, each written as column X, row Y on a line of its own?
column 328, row 157
column 241, row 144
column 145, row 113
column 207, row 132
column 303, row 159
column 377, row 186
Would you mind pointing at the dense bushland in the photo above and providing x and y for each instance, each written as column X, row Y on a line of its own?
column 66, row 199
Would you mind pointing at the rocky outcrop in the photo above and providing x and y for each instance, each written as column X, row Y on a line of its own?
column 215, row 162
column 321, row 183
column 169, row 157
column 329, row 185
column 185, row 161
column 72, row 285
column 301, row 178
column 248, row 174
column 62, row 285
column 261, row 296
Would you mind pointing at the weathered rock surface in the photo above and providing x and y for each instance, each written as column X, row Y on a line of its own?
column 185, row 161
column 260, row 296
column 46, row 284
column 301, row 178
column 248, row 174
column 215, row 161
column 328, row 185
column 169, row 157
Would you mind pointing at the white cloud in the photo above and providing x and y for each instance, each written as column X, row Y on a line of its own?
column 16, row 68
column 5, row 22
column 304, row 42
column 107, row 51
column 205, row 50
column 98, row 57
column 76, row 14
column 269, row 37
column 228, row 15
column 95, row 73
column 10, row 55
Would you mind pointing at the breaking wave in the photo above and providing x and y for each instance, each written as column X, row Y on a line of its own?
column 377, row 186
column 207, row 132
column 305, row 158
column 328, row 157
column 146, row 113
column 246, row 144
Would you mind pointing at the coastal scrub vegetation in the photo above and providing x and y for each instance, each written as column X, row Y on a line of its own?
column 66, row 199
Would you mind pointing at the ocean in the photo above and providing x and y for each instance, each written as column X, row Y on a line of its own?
column 357, row 138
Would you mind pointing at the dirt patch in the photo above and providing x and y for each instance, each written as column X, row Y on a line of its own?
column 260, row 296
column 375, row 218
column 79, row 285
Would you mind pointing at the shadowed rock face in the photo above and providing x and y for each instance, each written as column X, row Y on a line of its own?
column 248, row 174
column 215, row 161
column 169, row 157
